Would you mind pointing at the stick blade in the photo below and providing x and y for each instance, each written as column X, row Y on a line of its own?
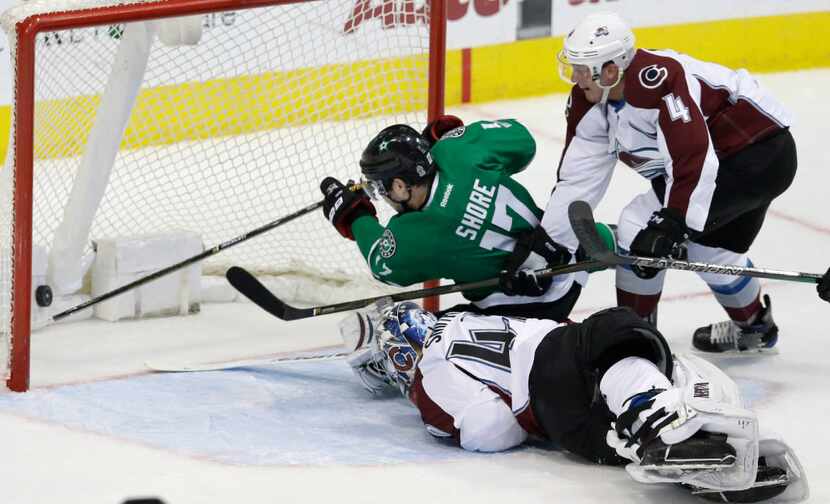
column 251, row 288
column 585, row 229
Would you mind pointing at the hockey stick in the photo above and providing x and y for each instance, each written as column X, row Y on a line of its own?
column 582, row 222
column 253, row 289
column 187, row 262
column 189, row 367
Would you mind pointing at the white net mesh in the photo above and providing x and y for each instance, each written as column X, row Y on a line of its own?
column 5, row 263
column 231, row 133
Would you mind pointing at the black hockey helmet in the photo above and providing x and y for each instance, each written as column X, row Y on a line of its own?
column 398, row 151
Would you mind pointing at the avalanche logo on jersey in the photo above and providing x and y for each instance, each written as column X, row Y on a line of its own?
column 387, row 244
column 652, row 76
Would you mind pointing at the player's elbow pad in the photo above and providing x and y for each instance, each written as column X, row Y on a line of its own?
column 490, row 427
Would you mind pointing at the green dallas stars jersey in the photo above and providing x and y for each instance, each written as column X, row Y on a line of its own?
column 475, row 211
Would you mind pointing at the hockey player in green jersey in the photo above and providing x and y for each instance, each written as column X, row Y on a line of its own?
column 461, row 215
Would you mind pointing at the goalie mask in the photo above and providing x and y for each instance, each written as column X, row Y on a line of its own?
column 404, row 329
column 396, row 152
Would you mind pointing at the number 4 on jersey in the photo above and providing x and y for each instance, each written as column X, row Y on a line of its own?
column 488, row 346
column 677, row 109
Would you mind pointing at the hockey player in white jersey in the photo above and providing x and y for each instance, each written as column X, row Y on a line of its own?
column 607, row 389
column 713, row 143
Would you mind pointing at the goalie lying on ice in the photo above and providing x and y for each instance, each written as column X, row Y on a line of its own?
column 607, row 389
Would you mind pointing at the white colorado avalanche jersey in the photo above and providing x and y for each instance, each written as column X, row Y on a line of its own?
column 680, row 116
column 472, row 380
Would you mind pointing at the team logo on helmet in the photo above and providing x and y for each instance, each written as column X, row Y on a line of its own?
column 402, row 358
column 388, row 246
column 652, row 76
column 383, row 146
column 601, row 31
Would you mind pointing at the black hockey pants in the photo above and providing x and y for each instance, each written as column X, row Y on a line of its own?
column 567, row 368
column 557, row 310
column 747, row 182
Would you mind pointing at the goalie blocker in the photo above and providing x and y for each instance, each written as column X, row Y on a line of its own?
column 672, row 419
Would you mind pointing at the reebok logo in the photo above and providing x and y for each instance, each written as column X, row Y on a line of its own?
column 446, row 197
column 702, row 390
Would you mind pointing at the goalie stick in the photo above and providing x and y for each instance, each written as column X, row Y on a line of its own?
column 253, row 289
column 582, row 222
column 173, row 366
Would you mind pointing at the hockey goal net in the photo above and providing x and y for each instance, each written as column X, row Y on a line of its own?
column 213, row 116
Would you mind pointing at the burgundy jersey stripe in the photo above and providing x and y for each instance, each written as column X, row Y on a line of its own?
column 526, row 418
column 431, row 413
column 733, row 126
column 657, row 82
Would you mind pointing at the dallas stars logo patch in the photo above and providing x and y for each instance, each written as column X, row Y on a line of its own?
column 387, row 244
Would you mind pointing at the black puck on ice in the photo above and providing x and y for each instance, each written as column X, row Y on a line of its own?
column 43, row 295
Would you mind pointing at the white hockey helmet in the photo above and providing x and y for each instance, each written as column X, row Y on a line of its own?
column 596, row 40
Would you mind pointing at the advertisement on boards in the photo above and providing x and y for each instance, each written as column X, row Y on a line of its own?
column 472, row 23
column 641, row 13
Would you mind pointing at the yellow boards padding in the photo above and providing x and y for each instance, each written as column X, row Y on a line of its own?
column 241, row 105
column 759, row 44
column 5, row 124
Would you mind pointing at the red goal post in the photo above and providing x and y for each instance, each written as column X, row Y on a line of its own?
column 39, row 138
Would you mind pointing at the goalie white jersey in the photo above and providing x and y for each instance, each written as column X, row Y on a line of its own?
column 472, row 379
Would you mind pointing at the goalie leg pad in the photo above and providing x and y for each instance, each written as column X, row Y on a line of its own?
column 770, row 482
column 712, row 404
column 780, row 478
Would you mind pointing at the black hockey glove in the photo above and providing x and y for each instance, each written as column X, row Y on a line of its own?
column 518, row 279
column 662, row 237
column 438, row 127
column 823, row 287
column 342, row 206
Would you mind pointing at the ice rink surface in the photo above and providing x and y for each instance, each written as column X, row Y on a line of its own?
column 98, row 428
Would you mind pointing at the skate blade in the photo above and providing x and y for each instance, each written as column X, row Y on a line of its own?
column 755, row 352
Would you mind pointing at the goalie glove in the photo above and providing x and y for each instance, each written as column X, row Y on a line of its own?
column 369, row 365
column 359, row 331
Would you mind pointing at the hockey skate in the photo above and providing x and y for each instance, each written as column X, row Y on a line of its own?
column 731, row 337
